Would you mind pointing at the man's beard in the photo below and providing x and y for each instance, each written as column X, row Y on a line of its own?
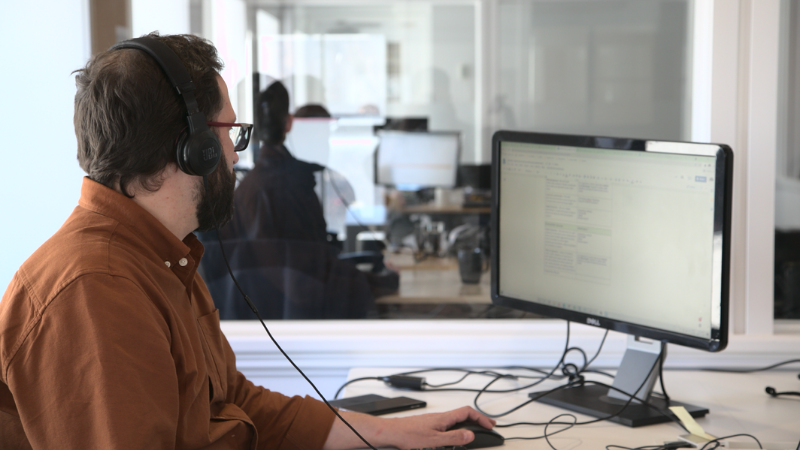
column 218, row 198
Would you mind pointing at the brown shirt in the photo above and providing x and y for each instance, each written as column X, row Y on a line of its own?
column 109, row 339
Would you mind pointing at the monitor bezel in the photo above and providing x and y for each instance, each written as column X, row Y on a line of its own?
column 453, row 185
column 722, row 223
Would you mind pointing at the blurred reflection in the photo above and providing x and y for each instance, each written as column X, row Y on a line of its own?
column 286, row 279
column 443, row 112
column 607, row 67
column 277, row 241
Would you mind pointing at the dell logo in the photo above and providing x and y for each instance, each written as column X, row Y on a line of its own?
column 209, row 153
column 593, row 321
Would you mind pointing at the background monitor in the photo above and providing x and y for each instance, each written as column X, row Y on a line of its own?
column 625, row 234
column 475, row 176
column 404, row 124
column 414, row 160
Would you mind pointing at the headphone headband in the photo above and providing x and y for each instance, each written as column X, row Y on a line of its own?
column 199, row 152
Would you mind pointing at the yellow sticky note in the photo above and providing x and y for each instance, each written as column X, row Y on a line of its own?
column 689, row 422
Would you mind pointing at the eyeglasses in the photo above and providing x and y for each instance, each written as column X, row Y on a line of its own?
column 240, row 133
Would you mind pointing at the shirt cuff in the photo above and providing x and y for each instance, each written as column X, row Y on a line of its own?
column 313, row 415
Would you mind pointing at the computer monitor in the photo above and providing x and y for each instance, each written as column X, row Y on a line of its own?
column 404, row 124
column 411, row 160
column 475, row 176
column 629, row 235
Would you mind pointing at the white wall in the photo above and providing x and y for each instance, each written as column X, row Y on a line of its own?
column 452, row 105
column 166, row 17
column 225, row 26
column 45, row 41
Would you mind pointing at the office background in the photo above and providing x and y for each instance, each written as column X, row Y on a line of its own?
column 704, row 70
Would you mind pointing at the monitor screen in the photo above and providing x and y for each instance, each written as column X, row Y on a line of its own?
column 625, row 234
column 413, row 160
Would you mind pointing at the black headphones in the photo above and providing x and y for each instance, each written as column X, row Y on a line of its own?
column 199, row 149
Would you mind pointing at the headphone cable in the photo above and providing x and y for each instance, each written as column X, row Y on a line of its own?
column 255, row 311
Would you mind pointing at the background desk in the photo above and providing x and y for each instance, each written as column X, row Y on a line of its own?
column 737, row 403
column 432, row 208
column 434, row 281
column 432, row 288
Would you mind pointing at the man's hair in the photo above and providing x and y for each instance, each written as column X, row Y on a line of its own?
column 312, row 110
column 272, row 113
column 128, row 116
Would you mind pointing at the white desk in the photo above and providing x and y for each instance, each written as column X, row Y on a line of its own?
column 737, row 404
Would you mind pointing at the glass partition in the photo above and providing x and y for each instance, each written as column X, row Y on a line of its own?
column 618, row 68
column 787, row 189
column 426, row 71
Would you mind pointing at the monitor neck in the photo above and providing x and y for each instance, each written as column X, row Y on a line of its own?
column 638, row 369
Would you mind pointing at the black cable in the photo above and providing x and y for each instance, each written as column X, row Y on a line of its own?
column 255, row 310
column 547, row 437
column 717, row 440
column 558, row 364
column 774, row 393
column 631, row 398
column 546, row 375
column 661, row 359
column 545, row 424
column 533, row 369
column 571, row 370
column 467, row 373
column 599, row 372
column 644, row 447
column 769, row 389
column 509, row 376
column 600, row 347
column 761, row 369
column 568, row 385
column 436, row 388
column 353, row 381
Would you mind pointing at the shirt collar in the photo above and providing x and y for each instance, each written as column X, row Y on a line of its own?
column 181, row 256
column 272, row 152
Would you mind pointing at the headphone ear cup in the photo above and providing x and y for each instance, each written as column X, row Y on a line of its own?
column 180, row 151
column 198, row 154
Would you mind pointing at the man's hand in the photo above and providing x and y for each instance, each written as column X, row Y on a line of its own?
column 425, row 430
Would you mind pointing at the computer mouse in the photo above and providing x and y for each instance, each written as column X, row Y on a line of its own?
column 484, row 437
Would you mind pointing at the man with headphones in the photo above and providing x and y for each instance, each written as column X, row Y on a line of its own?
column 108, row 336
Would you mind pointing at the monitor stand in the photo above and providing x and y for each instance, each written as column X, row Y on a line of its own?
column 600, row 401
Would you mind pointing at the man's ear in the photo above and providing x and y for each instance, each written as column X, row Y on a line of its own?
column 289, row 120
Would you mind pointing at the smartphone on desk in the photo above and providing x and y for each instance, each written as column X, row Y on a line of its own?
column 377, row 405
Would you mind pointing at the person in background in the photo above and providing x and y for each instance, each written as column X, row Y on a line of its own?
column 277, row 207
column 312, row 110
column 276, row 200
column 108, row 335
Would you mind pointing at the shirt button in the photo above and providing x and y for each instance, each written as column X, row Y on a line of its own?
column 183, row 262
column 168, row 263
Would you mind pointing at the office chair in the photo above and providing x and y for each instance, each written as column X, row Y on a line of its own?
column 285, row 279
